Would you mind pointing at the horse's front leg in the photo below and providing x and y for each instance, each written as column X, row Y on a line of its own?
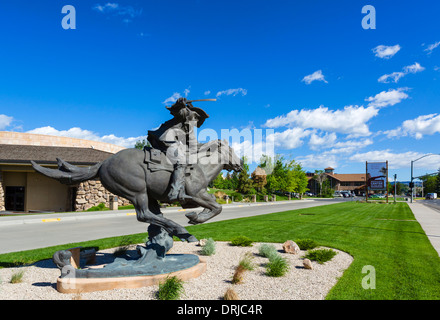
column 207, row 201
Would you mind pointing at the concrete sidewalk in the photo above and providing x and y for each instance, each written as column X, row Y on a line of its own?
column 429, row 219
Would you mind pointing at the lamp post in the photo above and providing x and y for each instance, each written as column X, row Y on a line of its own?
column 412, row 177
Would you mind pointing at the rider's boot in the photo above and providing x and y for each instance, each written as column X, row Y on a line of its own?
column 177, row 191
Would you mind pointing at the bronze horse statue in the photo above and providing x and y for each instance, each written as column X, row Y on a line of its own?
column 127, row 174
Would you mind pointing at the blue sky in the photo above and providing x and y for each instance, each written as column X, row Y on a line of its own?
column 333, row 93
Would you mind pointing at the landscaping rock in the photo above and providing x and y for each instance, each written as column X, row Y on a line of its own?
column 202, row 242
column 291, row 247
column 307, row 264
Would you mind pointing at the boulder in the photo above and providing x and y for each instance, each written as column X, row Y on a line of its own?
column 307, row 264
column 291, row 247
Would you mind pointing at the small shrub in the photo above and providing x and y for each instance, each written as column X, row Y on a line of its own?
column 237, row 197
column 230, row 294
column 277, row 266
column 220, row 195
column 209, row 248
column 99, row 207
column 124, row 244
column 320, row 255
column 246, row 261
column 238, row 274
column 17, row 277
column 306, row 244
column 267, row 250
column 241, row 241
column 171, row 289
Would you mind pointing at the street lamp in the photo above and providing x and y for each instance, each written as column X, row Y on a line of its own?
column 412, row 178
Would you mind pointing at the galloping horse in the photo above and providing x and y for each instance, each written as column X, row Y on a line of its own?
column 127, row 175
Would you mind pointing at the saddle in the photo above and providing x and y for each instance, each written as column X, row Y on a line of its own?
column 156, row 160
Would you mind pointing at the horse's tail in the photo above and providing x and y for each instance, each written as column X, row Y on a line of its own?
column 68, row 173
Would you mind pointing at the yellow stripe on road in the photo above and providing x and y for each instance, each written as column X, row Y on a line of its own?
column 51, row 220
column 181, row 210
column 131, row 214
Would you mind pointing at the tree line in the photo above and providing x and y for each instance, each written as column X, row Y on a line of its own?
column 431, row 183
column 271, row 176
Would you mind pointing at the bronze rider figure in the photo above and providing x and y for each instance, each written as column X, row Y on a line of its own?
column 176, row 138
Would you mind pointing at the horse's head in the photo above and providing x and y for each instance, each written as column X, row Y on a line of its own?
column 233, row 162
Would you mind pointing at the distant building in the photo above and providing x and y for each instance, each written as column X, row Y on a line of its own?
column 23, row 189
column 339, row 181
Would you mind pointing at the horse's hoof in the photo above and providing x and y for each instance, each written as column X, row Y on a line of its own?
column 191, row 215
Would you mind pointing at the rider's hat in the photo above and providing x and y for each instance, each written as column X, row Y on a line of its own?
column 182, row 102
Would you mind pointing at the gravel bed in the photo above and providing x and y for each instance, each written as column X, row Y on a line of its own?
column 39, row 279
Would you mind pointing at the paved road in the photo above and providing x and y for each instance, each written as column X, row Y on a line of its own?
column 433, row 204
column 39, row 231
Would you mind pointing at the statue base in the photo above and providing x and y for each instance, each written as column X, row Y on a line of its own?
column 148, row 267
column 82, row 285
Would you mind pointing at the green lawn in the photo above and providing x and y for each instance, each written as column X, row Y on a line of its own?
column 385, row 236
column 406, row 264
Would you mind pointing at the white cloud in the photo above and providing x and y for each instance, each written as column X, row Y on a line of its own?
column 386, row 52
column 88, row 135
column 350, row 120
column 418, row 127
column 173, row 98
column 317, row 161
column 397, row 160
column 396, row 76
column 288, row 139
column 348, row 146
column 387, row 98
column 232, row 92
column 207, row 92
column 431, row 47
column 392, row 77
column 322, row 141
column 5, row 121
column 253, row 151
column 414, row 68
column 127, row 12
column 315, row 76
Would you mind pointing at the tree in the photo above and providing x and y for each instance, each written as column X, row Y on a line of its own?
column 244, row 181
column 429, row 183
column 140, row 144
column 233, row 182
column 437, row 183
column 296, row 178
column 320, row 177
column 259, row 179
column 218, row 182
column 277, row 179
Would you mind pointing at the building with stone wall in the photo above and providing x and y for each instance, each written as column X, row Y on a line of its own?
column 24, row 190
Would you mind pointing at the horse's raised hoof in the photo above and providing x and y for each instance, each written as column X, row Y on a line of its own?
column 192, row 216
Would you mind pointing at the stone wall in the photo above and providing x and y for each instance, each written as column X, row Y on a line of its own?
column 2, row 193
column 91, row 193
